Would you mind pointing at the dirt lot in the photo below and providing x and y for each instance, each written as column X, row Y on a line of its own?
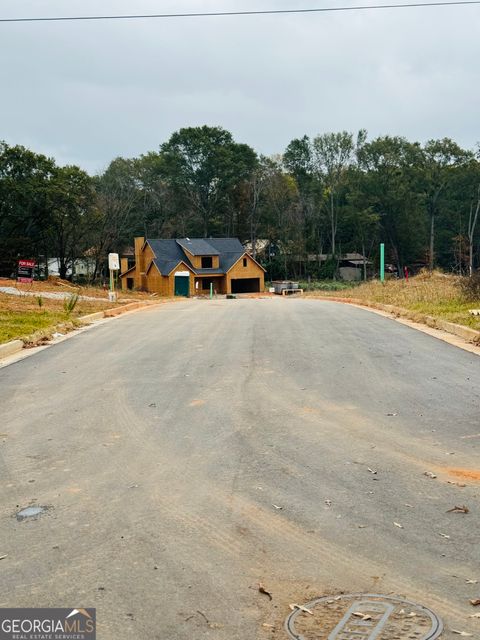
column 32, row 317
column 55, row 285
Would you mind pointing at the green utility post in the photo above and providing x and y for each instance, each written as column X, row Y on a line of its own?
column 382, row 262
column 211, row 290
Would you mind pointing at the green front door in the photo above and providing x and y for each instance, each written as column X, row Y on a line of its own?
column 182, row 286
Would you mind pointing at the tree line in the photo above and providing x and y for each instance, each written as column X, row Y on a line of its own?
column 328, row 195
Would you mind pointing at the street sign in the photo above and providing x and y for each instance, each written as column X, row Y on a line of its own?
column 113, row 262
column 25, row 270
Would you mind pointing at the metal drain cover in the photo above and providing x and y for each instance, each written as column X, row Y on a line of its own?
column 363, row 616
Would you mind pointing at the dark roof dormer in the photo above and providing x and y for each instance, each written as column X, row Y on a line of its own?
column 198, row 247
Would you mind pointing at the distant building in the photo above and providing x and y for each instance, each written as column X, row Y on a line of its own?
column 84, row 267
column 189, row 266
column 264, row 248
column 350, row 265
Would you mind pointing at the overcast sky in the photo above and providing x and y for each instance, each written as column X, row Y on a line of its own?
column 88, row 92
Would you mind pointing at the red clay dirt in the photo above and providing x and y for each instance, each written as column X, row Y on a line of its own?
column 466, row 474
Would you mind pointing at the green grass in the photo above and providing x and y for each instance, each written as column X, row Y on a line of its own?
column 452, row 311
column 25, row 318
column 17, row 325
column 327, row 285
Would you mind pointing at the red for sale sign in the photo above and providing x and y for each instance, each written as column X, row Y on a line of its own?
column 25, row 270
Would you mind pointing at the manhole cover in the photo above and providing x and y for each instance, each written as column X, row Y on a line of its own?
column 363, row 616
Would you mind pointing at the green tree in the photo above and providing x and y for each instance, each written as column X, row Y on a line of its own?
column 24, row 212
column 115, row 219
column 204, row 167
column 392, row 190
column 71, row 202
column 440, row 160
column 333, row 154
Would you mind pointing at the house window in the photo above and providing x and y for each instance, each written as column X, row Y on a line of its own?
column 244, row 262
column 207, row 262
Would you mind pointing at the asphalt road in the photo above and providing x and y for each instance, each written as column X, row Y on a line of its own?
column 163, row 443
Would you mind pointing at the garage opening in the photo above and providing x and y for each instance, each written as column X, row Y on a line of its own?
column 246, row 285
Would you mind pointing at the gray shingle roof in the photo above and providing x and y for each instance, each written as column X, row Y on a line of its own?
column 168, row 253
column 230, row 250
column 209, row 272
column 198, row 246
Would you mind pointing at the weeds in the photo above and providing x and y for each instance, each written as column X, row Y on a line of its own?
column 471, row 287
column 70, row 303
column 428, row 294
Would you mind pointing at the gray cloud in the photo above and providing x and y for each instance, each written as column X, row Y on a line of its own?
column 87, row 92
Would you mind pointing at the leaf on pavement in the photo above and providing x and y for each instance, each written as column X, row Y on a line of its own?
column 262, row 589
column 277, row 507
column 363, row 616
column 3, row 557
column 373, row 471
column 475, row 603
column 471, row 581
column 299, row 606
column 397, row 524
column 444, row 535
column 462, row 633
column 429, row 474
column 462, row 509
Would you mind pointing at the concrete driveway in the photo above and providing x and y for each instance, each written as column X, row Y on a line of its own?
column 187, row 453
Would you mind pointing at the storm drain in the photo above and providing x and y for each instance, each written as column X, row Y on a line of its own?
column 363, row 617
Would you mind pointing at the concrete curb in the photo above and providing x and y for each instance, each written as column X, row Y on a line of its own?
column 466, row 333
column 99, row 315
column 116, row 311
column 9, row 348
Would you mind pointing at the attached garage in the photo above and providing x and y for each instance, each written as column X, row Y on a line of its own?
column 245, row 285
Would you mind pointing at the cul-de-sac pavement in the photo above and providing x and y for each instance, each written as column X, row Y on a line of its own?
column 190, row 456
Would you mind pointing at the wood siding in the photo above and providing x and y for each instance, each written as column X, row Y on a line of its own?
column 197, row 260
column 164, row 284
column 252, row 270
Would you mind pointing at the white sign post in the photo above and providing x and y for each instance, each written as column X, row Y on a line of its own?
column 113, row 265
